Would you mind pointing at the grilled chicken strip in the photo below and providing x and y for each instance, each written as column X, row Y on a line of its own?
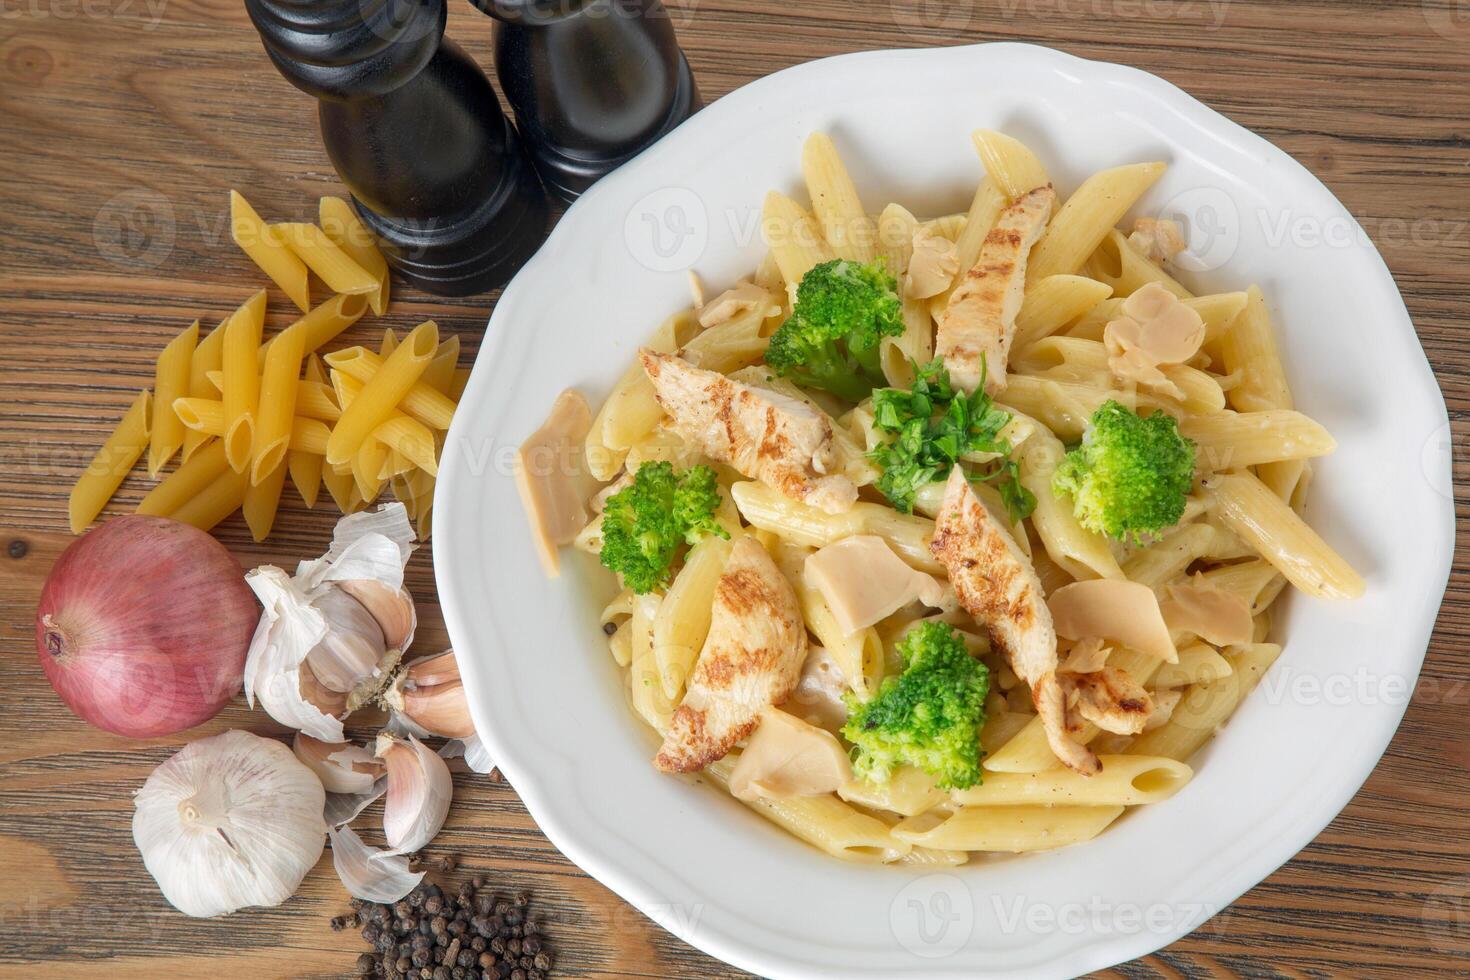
column 779, row 441
column 997, row 585
column 980, row 320
column 752, row 658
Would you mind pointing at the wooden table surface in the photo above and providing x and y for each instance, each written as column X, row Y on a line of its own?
column 124, row 122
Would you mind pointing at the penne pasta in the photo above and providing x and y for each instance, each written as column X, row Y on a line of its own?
column 1008, row 162
column 683, row 618
column 1081, row 553
column 1011, row 829
column 908, row 792
column 835, row 202
column 1217, row 310
column 305, row 470
column 261, row 501
column 186, row 482
column 1084, row 221
column 382, row 392
column 805, row 525
column 1206, row 706
column 321, row 255
column 322, row 324
column 1127, row 270
column 340, row 224
column 411, row 439
column 1268, row 524
column 215, row 501
column 241, row 390
column 110, row 466
column 1235, row 440
column 342, row 488
column 795, row 241
column 278, row 386
column 1249, row 347
column 1198, row 663
column 1125, row 780
column 431, row 407
column 986, row 206
column 1052, row 303
column 266, row 249
column 207, row 359
column 170, row 381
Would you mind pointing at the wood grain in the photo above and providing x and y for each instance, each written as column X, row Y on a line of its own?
column 123, row 123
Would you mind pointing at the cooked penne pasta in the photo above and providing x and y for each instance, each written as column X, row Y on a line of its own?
column 1235, row 440
column 794, row 238
column 1008, row 161
column 1217, row 310
column 170, row 381
column 908, row 792
column 1198, row 663
column 1125, row 780
column 682, row 622
column 266, row 249
column 835, row 202
column 1082, row 553
column 1084, row 221
column 105, row 473
column 340, row 224
column 802, row 524
column 1052, row 303
column 1011, row 829
column 1249, row 347
column 1127, row 270
column 1268, row 524
column 1206, row 706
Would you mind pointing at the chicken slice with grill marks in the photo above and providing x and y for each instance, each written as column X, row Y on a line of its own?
column 751, row 659
column 780, row 441
column 979, row 323
column 997, row 585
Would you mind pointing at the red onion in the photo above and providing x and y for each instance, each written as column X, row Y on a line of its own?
column 143, row 626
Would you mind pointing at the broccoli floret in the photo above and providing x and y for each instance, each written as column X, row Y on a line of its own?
column 843, row 309
column 1130, row 476
column 644, row 524
column 929, row 716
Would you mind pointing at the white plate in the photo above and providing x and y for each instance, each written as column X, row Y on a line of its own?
column 547, row 697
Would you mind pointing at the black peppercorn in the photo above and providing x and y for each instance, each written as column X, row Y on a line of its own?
column 542, row 960
column 487, row 961
column 384, row 943
column 531, row 945
column 365, row 964
column 535, row 975
column 478, row 944
column 370, row 932
column 513, row 947
column 502, row 907
column 522, row 900
column 404, row 964
column 433, row 905
column 517, row 974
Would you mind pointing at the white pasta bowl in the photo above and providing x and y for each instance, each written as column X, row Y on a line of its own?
column 550, row 703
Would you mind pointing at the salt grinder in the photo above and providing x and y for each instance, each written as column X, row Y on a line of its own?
column 592, row 82
column 415, row 132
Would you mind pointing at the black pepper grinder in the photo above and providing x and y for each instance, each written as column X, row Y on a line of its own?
column 592, row 82
column 415, row 132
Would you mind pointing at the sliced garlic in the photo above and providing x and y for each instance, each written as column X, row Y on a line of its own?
column 419, row 791
column 309, row 662
column 430, row 696
column 230, row 821
column 342, row 767
column 368, row 873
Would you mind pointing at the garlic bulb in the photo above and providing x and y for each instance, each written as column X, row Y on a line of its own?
column 228, row 822
column 429, row 695
column 353, row 645
column 330, row 635
column 342, row 767
column 419, row 790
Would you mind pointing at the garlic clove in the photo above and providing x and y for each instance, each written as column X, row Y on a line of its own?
column 230, row 821
column 475, row 755
column 430, row 697
column 419, row 791
column 352, row 649
column 342, row 767
column 438, row 669
column 393, row 609
column 368, row 873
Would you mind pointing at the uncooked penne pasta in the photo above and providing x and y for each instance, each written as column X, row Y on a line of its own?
column 367, row 468
column 322, row 324
column 105, row 473
column 266, row 249
column 305, row 470
column 208, row 359
column 439, row 375
column 215, row 501
column 186, row 482
column 331, row 264
column 340, row 224
column 410, row 438
column 835, row 202
column 170, row 381
column 342, row 488
column 431, row 407
column 241, row 391
column 1084, row 221
column 278, row 386
column 261, row 501
column 382, row 392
